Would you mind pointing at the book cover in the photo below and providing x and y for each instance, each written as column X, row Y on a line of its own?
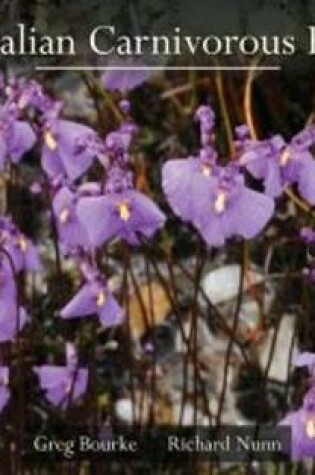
column 157, row 236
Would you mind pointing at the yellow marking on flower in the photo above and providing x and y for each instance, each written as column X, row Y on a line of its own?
column 50, row 140
column 64, row 216
column 310, row 428
column 101, row 298
column 206, row 171
column 219, row 204
column 285, row 157
column 5, row 380
column 124, row 211
column 23, row 243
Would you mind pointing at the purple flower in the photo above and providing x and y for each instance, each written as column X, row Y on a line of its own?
column 206, row 118
column 16, row 137
column 125, row 215
column 302, row 424
column 279, row 164
column 229, row 208
column 23, row 95
column 219, row 206
column 4, row 386
column 21, row 249
column 121, row 213
column 302, row 421
column 66, row 148
column 214, row 199
column 94, row 298
column 63, row 384
column 70, row 231
column 183, row 180
column 125, row 80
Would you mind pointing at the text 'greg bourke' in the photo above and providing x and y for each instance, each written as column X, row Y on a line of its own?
column 104, row 40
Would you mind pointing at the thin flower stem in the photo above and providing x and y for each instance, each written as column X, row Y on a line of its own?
column 230, row 343
column 289, row 365
column 193, row 95
column 172, row 296
column 125, row 287
column 296, row 200
column 95, row 97
column 200, row 261
column 154, row 361
column 96, row 87
column 139, row 297
column 224, row 110
column 248, row 100
column 183, row 88
column 54, row 231
column 213, row 310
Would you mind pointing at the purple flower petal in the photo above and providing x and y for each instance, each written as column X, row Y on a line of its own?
column 22, row 140
column 302, row 424
column 57, row 395
column 66, row 149
column 50, row 376
column 61, row 383
column 124, row 81
column 146, row 218
column 121, row 215
column 94, row 298
column 227, row 208
column 51, row 163
column 250, row 213
column 110, row 314
column 96, row 214
column 23, row 253
column 8, row 321
column 183, row 183
column 71, row 232
column 211, row 230
column 84, row 303
column 76, row 162
column 306, row 180
column 273, row 183
column 304, row 359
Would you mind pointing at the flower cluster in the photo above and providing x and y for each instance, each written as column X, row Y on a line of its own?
column 94, row 298
column 89, row 214
column 214, row 199
column 280, row 164
column 18, row 254
column 63, row 384
column 302, row 421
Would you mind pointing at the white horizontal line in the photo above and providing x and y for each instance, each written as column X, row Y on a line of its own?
column 158, row 68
